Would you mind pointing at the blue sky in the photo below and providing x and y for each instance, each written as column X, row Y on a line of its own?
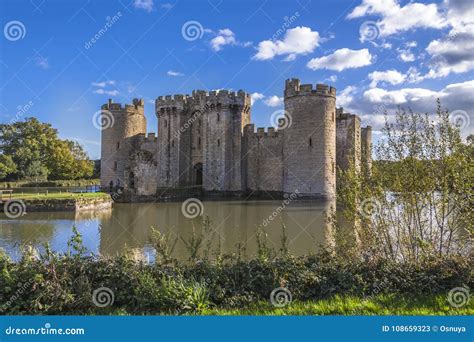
column 377, row 53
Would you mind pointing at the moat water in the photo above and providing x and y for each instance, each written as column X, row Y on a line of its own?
column 233, row 228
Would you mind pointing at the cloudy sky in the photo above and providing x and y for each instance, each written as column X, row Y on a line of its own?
column 60, row 60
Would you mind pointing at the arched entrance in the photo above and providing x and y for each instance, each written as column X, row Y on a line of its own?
column 198, row 174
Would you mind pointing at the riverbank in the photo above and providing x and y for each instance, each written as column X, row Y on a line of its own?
column 56, row 183
column 79, row 283
column 60, row 201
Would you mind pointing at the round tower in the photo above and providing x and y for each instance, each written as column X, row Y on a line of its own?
column 122, row 127
column 309, row 147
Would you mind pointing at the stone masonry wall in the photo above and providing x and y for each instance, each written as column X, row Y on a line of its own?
column 309, row 148
column 348, row 140
column 119, row 138
column 263, row 160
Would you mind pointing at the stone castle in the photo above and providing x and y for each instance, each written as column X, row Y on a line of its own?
column 206, row 141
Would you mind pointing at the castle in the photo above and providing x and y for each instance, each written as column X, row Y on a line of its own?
column 206, row 141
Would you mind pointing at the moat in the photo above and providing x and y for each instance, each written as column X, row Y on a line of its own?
column 127, row 226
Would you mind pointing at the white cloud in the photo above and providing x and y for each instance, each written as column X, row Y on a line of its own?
column 397, row 97
column 297, row 41
column 274, row 101
column 332, row 78
column 254, row 97
column 395, row 18
column 42, row 62
column 102, row 84
column 374, row 102
column 452, row 53
column 389, row 76
column 146, row 5
column 405, row 55
column 346, row 96
column 342, row 59
column 106, row 92
column 225, row 37
column 174, row 73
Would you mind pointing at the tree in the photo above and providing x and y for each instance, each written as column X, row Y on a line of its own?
column 36, row 149
column 418, row 201
column 7, row 166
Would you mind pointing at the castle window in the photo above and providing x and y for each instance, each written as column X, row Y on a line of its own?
column 166, row 123
column 310, row 142
column 200, row 122
column 118, row 145
column 218, row 142
column 218, row 117
column 172, row 143
column 115, row 166
column 199, row 141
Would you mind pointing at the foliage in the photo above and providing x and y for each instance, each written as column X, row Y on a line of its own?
column 51, row 183
column 51, row 283
column 417, row 201
column 37, row 152
column 7, row 166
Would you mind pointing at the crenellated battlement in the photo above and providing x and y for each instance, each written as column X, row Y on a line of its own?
column 201, row 98
column 262, row 132
column 293, row 87
column 137, row 106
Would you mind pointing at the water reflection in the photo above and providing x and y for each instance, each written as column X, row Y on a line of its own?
column 128, row 226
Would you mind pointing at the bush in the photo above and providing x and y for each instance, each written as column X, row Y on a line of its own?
column 59, row 284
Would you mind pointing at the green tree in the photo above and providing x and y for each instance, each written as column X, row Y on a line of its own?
column 7, row 166
column 37, row 150
column 418, row 200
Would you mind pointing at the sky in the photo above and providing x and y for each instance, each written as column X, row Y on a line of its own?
column 61, row 60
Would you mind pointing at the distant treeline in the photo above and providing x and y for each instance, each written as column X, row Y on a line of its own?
column 31, row 150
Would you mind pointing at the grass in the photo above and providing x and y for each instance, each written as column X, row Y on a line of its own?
column 380, row 305
column 55, row 195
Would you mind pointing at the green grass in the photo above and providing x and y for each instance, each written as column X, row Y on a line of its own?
column 55, row 195
column 380, row 305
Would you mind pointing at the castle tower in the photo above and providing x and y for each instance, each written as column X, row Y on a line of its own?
column 224, row 114
column 174, row 141
column 309, row 148
column 121, row 130
column 348, row 140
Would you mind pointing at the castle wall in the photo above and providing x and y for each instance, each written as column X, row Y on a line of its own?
column 348, row 140
column 263, row 160
column 206, row 139
column 119, row 139
column 309, row 148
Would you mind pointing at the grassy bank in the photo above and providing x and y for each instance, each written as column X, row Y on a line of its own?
column 337, row 305
column 57, row 183
column 56, row 195
column 71, row 283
